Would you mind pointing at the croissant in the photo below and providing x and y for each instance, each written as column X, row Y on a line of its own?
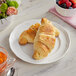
column 28, row 35
column 45, row 20
column 44, row 40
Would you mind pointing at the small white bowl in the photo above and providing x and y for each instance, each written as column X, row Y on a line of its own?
column 5, row 22
column 65, row 12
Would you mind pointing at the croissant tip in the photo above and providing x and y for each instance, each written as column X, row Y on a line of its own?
column 43, row 20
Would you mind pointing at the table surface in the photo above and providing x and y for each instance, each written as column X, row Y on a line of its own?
column 35, row 9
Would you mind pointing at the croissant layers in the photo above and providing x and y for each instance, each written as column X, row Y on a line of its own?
column 43, row 36
column 45, row 39
column 28, row 36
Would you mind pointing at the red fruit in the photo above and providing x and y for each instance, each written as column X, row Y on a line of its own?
column 74, row 6
column 11, row 11
column 73, row 1
column 68, row 4
column 59, row 2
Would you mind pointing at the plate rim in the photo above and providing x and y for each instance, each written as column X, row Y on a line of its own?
column 67, row 32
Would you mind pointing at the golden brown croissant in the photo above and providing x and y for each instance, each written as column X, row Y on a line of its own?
column 29, row 35
column 44, row 40
column 45, row 20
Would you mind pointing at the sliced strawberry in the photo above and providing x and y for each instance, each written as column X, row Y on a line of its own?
column 11, row 11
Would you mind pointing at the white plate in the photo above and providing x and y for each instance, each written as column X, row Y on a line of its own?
column 25, row 52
